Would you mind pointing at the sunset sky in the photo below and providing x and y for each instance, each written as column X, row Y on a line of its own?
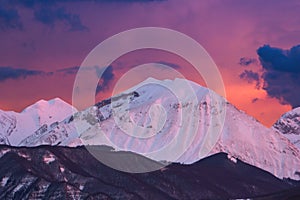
column 255, row 45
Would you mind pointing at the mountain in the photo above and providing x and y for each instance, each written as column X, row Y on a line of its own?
column 177, row 113
column 289, row 125
column 41, row 116
column 53, row 172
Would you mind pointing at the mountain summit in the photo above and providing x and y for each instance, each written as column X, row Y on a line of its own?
column 16, row 126
column 154, row 115
column 289, row 125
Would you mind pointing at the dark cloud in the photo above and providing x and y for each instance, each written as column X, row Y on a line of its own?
column 69, row 71
column 280, row 60
column 129, row 1
column 105, row 79
column 247, row 61
column 174, row 66
column 32, row 3
column 9, row 18
column 50, row 16
column 48, row 12
column 255, row 100
column 281, row 73
column 15, row 73
column 251, row 77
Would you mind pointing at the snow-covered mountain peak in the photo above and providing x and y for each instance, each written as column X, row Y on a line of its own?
column 44, row 105
column 177, row 83
column 242, row 136
column 156, row 114
column 47, row 112
column 289, row 125
column 14, row 127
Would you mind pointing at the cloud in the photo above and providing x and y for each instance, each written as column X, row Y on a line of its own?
column 280, row 60
column 50, row 16
column 16, row 73
column 105, row 79
column 281, row 73
column 69, row 71
column 32, row 3
column 9, row 18
column 244, row 61
column 174, row 66
column 48, row 12
column 251, row 77
column 255, row 100
column 128, row 1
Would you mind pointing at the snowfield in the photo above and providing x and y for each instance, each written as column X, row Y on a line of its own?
column 171, row 120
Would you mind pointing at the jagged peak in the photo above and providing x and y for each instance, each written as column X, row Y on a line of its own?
column 289, row 124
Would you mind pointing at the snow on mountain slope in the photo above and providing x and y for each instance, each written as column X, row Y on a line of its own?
column 289, row 125
column 160, row 118
column 152, row 120
column 245, row 138
column 14, row 127
column 48, row 112
column 7, row 126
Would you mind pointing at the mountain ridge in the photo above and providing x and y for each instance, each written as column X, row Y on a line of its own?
column 56, row 172
column 289, row 125
column 239, row 136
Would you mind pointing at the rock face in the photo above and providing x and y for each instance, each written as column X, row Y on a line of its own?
column 289, row 125
column 53, row 172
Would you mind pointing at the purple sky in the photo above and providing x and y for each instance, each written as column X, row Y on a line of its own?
column 42, row 44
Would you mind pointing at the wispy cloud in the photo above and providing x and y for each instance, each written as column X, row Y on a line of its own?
column 174, row 66
column 16, row 73
column 244, row 61
column 51, row 15
column 48, row 12
column 255, row 100
column 69, row 70
column 105, row 78
column 251, row 77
